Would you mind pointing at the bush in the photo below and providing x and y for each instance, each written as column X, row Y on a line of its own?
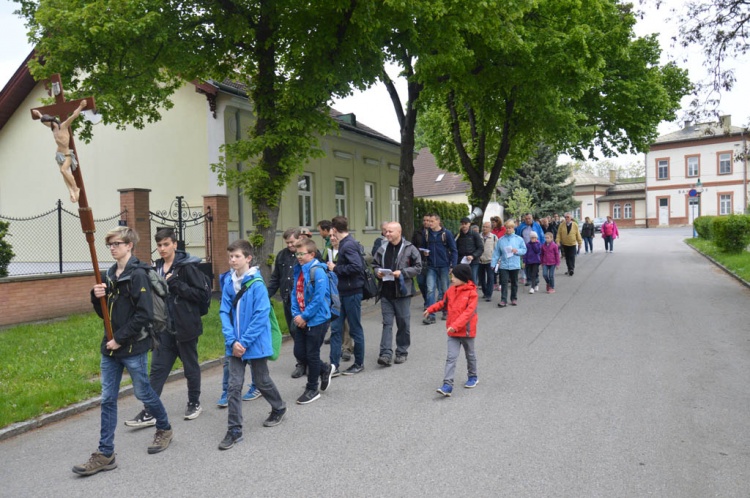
column 702, row 225
column 731, row 233
column 450, row 212
column 6, row 250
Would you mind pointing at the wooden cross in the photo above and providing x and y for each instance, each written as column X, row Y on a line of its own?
column 63, row 110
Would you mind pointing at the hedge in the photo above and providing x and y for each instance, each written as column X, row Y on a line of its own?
column 450, row 212
column 731, row 233
column 702, row 225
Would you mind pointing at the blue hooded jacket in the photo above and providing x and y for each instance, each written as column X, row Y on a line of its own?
column 317, row 293
column 248, row 322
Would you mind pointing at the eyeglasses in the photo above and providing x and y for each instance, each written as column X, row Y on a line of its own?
column 300, row 254
column 115, row 244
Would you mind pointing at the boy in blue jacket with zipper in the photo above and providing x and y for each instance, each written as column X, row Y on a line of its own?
column 244, row 311
column 311, row 315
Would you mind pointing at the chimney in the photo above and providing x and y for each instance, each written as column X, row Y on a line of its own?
column 725, row 121
column 688, row 123
column 613, row 176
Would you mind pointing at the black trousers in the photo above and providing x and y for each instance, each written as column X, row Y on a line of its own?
column 570, row 257
column 162, row 361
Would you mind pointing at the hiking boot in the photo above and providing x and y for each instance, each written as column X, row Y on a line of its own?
column 429, row 320
column 97, row 462
column 143, row 419
column 308, row 396
column 275, row 417
column 223, row 401
column 346, row 355
column 299, row 371
column 252, row 393
column 162, row 438
column 471, row 383
column 325, row 376
column 354, row 369
column 192, row 411
column 384, row 360
column 232, row 437
column 400, row 359
column 446, row 390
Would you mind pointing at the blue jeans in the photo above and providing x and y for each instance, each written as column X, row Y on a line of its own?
column 351, row 311
column 548, row 272
column 475, row 273
column 422, row 283
column 437, row 284
column 307, row 344
column 589, row 243
column 112, row 368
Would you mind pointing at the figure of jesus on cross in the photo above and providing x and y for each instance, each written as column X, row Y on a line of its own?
column 65, row 157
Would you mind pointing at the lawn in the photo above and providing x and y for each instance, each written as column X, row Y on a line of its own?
column 737, row 263
column 47, row 366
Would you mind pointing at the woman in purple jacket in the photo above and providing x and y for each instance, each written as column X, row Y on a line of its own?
column 531, row 259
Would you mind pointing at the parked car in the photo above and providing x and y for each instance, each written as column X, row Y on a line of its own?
column 598, row 222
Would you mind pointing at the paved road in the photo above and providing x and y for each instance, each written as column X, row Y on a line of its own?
column 630, row 381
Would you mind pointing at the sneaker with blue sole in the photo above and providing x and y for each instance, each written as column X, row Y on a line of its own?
column 471, row 383
column 446, row 390
column 252, row 393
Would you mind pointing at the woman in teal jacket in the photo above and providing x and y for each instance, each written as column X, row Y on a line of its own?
column 507, row 255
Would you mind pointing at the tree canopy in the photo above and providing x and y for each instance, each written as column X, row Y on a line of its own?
column 569, row 74
column 545, row 182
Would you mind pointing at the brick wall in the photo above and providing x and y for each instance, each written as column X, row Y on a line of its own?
column 30, row 299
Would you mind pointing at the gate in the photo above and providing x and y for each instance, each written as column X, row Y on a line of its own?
column 192, row 227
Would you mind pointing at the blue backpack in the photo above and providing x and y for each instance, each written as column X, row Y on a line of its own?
column 333, row 286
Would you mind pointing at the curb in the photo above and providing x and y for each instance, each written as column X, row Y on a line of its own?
column 726, row 270
column 49, row 418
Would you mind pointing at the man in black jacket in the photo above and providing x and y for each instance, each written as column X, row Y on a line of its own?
column 127, row 290
column 470, row 247
column 349, row 269
column 180, row 340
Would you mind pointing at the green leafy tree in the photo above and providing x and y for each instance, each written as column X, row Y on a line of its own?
column 293, row 56
column 570, row 74
column 545, row 181
column 428, row 40
column 635, row 169
column 519, row 203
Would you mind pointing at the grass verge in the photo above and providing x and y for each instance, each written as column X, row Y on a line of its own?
column 737, row 263
column 48, row 366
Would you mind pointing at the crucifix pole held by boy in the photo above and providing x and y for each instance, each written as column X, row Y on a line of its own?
column 58, row 117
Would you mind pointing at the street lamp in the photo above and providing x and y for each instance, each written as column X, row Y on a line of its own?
column 696, row 192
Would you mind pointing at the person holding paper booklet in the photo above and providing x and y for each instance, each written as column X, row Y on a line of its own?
column 396, row 264
column 507, row 256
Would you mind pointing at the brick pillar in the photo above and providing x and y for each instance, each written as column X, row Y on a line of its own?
column 219, row 205
column 136, row 201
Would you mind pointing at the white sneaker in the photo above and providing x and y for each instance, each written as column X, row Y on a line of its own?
column 531, row 291
column 536, row 288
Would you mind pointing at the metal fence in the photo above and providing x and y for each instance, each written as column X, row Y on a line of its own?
column 53, row 242
column 193, row 227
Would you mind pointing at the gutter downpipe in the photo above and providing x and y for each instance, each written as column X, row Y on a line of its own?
column 645, row 182
column 240, row 203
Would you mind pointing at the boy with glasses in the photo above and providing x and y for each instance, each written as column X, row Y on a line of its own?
column 128, row 291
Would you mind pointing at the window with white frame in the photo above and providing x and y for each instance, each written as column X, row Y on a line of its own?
column 577, row 213
column 304, row 196
column 617, row 211
column 395, row 203
column 693, row 164
column 627, row 211
column 339, row 195
column 662, row 169
column 369, row 205
column 725, row 204
column 725, row 163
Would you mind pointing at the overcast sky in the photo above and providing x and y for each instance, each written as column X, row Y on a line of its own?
column 374, row 107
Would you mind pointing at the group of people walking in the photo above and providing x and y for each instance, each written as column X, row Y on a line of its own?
column 318, row 289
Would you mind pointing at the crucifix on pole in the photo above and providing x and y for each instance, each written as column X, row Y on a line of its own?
column 58, row 117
